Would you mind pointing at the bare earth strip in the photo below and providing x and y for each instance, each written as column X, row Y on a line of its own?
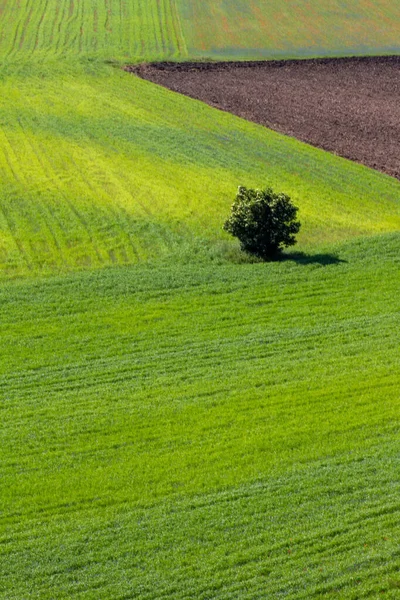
column 348, row 106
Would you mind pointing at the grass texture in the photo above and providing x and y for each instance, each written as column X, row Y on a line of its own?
column 98, row 167
column 96, row 29
column 288, row 28
column 203, row 432
column 148, row 29
column 188, row 427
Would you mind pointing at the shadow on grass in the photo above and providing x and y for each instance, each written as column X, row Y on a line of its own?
column 302, row 258
column 224, row 252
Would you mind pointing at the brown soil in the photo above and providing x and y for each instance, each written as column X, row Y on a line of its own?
column 349, row 106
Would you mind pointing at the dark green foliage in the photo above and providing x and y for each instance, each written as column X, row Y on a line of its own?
column 263, row 221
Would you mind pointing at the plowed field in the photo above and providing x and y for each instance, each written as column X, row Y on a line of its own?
column 350, row 107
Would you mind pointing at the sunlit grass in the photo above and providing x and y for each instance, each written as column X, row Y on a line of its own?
column 238, row 29
column 123, row 30
column 96, row 29
column 178, row 422
column 99, row 168
column 117, row 170
column 201, row 431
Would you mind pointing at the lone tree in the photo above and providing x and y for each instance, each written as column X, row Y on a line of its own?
column 263, row 221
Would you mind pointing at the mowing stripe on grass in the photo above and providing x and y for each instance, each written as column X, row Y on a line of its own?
column 117, row 170
column 203, row 431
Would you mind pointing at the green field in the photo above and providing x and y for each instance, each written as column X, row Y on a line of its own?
column 177, row 421
column 100, row 168
column 290, row 28
column 117, row 170
column 191, row 432
column 104, row 29
column 149, row 29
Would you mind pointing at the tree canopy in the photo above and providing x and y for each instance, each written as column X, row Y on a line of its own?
column 263, row 221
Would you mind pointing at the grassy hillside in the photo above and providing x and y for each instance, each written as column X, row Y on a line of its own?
column 289, row 28
column 104, row 29
column 187, row 428
column 98, row 167
column 148, row 29
column 203, row 432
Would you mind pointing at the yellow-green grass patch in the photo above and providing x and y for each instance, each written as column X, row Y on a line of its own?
column 105, row 168
column 153, row 29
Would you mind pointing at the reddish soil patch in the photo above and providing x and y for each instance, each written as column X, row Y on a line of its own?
column 349, row 106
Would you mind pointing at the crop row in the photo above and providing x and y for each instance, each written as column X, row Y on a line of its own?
column 49, row 29
column 115, row 170
column 165, row 29
column 195, row 431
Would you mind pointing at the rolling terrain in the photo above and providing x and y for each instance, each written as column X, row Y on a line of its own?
column 115, row 170
column 229, row 29
column 147, row 30
column 177, row 420
column 50, row 30
column 348, row 106
column 97, row 168
column 197, row 432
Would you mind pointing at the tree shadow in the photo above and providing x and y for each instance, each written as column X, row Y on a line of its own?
column 302, row 258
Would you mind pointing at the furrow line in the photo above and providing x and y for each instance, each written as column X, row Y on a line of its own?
column 82, row 23
column 17, row 24
column 39, row 34
column 61, row 29
column 43, row 206
column 177, row 25
column 4, row 12
column 28, row 11
column 44, row 161
column 53, row 24
column 155, row 25
column 162, row 22
column 72, row 31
